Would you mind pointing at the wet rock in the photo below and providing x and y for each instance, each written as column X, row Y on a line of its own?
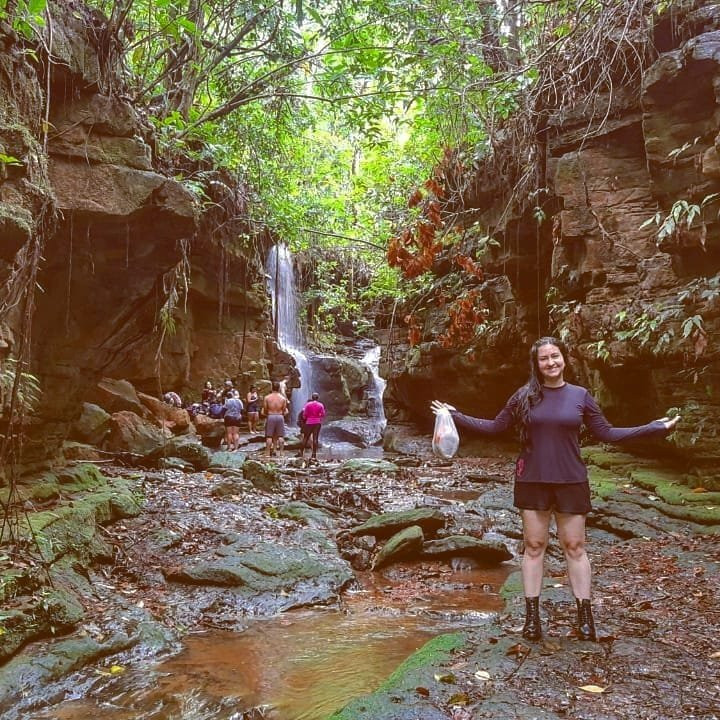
column 175, row 463
column 482, row 477
column 363, row 466
column 58, row 659
column 93, row 424
column 387, row 524
column 487, row 552
column 407, row 461
column 401, row 546
column 292, row 576
column 230, row 486
column 185, row 447
column 224, row 460
column 263, row 477
column 305, row 514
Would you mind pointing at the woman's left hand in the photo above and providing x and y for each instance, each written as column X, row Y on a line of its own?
column 670, row 423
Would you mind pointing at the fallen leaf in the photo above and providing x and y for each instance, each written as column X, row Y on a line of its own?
column 117, row 669
column 482, row 675
column 715, row 655
column 518, row 650
column 448, row 678
column 593, row 688
column 422, row 691
column 699, row 490
column 460, row 698
column 552, row 645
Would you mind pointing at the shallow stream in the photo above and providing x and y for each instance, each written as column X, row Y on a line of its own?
column 301, row 665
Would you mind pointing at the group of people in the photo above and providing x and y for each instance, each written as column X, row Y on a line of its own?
column 225, row 403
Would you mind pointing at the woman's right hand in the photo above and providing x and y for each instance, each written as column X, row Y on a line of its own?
column 436, row 406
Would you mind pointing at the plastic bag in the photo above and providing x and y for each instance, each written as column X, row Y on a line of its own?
column 445, row 436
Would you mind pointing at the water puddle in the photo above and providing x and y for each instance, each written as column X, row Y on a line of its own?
column 301, row 665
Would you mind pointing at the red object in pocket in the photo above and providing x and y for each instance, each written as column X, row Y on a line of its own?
column 520, row 467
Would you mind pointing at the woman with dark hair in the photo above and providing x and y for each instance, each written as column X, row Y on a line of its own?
column 550, row 475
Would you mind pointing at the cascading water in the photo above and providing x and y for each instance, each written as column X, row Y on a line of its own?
column 281, row 285
column 375, row 409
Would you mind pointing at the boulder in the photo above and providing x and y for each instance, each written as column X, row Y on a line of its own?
column 115, row 395
column 211, row 430
column 132, row 434
column 387, row 524
column 227, row 460
column 185, row 447
column 405, row 544
column 263, row 477
column 92, row 426
column 175, row 419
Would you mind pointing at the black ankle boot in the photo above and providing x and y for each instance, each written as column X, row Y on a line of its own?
column 585, row 622
column 532, row 630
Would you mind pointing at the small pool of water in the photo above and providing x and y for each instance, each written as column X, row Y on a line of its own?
column 301, row 665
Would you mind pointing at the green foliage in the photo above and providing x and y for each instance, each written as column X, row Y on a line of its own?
column 9, row 160
column 28, row 388
column 681, row 213
column 28, row 15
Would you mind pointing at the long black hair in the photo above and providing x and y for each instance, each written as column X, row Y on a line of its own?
column 531, row 393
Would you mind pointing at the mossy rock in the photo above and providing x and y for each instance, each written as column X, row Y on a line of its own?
column 388, row 702
column 618, row 462
column 82, row 477
column 604, row 483
column 387, row 524
column 671, row 488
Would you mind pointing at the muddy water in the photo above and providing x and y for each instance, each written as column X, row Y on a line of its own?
column 302, row 665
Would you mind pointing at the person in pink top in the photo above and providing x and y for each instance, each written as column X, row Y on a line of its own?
column 313, row 414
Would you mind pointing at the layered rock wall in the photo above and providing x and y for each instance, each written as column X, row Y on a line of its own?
column 138, row 282
column 620, row 291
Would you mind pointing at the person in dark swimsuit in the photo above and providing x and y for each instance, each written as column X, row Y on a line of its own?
column 550, row 475
column 253, row 409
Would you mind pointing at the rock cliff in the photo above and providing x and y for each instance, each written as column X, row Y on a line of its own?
column 638, row 301
column 138, row 280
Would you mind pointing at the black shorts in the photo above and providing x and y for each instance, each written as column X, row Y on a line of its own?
column 232, row 421
column 571, row 498
column 311, row 431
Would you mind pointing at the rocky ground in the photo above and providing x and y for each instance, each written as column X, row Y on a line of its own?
column 167, row 552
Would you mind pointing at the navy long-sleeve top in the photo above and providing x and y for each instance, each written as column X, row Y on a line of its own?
column 553, row 452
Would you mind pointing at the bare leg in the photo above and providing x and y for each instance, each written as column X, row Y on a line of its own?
column 571, row 534
column 536, row 526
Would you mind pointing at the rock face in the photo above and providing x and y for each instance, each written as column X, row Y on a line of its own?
column 640, row 308
column 139, row 284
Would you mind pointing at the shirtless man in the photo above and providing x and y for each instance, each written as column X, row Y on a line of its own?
column 275, row 408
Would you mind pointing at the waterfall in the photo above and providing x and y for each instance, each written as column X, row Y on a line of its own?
column 375, row 409
column 281, row 285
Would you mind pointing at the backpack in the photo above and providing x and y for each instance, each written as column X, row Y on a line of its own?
column 301, row 418
column 216, row 411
